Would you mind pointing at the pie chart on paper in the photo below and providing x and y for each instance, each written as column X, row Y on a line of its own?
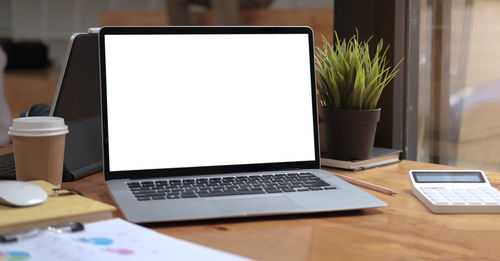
column 103, row 241
column 14, row 256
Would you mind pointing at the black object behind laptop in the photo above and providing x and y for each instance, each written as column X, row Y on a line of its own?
column 7, row 167
column 77, row 100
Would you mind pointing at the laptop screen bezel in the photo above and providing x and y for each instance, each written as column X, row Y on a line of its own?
column 191, row 171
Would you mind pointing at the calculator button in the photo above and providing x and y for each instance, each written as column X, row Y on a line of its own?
column 493, row 193
column 440, row 200
column 481, row 195
column 457, row 200
column 474, row 191
column 489, row 200
column 446, row 194
column 473, row 200
column 432, row 194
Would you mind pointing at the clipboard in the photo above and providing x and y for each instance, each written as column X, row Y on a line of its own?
column 55, row 210
column 109, row 240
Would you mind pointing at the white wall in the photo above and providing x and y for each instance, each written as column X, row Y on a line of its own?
column 53, row 21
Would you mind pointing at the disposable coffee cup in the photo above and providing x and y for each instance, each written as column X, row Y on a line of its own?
column 38, row 144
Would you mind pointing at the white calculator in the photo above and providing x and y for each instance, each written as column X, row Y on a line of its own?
column 455, row 191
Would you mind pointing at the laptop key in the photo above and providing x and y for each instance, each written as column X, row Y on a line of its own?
column 143, row 198
column 274, row 190
column 158, row 197
column 138, row 191
column 235, row 193
column 147, row 183
column 173, row 196
column 141, row 189
column 189, row 195
column 133, row 184
column 303, row 189
column 313, row 185
column 148, row 194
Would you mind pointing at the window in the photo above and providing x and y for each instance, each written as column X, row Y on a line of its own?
column 459, row 83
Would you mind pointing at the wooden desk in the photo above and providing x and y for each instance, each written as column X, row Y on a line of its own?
column 404, row 230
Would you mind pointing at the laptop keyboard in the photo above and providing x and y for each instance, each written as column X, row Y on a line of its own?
column 226, row 186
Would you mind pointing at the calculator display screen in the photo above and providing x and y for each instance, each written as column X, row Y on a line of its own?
column 448, row 177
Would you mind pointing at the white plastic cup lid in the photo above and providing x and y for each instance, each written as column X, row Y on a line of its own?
column 38, row 126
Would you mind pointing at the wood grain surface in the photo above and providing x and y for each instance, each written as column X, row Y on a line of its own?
column 404, row 230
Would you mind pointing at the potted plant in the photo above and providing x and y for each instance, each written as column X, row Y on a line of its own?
column 350, row 83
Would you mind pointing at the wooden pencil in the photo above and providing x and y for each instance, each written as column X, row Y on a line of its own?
column 365, row 184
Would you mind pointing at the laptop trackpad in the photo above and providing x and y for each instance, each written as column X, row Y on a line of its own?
column 255, row 205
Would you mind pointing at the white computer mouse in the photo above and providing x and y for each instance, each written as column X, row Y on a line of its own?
column 21, row 194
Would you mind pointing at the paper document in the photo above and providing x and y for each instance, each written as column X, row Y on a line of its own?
column 113, row 239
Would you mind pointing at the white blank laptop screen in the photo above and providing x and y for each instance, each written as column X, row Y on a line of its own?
column 189, row 100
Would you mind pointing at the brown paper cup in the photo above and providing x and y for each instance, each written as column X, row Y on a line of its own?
column 38, row 144
column 39, row 158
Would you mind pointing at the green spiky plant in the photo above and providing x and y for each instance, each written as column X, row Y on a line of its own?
column 348, row 78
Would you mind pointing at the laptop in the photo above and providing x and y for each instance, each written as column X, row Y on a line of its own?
column 214, row 122
column 77, row 101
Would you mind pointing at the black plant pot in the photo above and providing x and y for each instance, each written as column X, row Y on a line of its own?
column 350, row 133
